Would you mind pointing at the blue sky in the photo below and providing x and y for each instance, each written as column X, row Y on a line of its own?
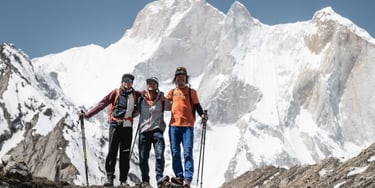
column 41, row 27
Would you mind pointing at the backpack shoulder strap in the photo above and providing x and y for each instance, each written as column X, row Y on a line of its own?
column 135, row 96
column 191, row 104
column 190, row 99
column 161, row 95
column 116, row 97
column 139, row 102
column 113, row 104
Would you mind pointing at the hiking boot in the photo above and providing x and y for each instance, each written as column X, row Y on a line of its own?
column 146, row 185
column 162, row 180
column 177, row 180
column 109, row 182
column 123, row 183
column 187, row 184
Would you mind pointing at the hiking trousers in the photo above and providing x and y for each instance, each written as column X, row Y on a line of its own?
column 120, row 138
column 147, row 139
column 185, row 136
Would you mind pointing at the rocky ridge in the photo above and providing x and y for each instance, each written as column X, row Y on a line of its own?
column 358, row 172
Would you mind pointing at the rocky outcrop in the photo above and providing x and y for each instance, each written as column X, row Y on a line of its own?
column 15, row 169
column 331, row 172
column 45, row 155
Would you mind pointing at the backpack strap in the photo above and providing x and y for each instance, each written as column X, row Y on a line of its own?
column 161, row 94
column 191, row 100
column 117, row 95
column 191, row 103
column 113, row 104
column 139, row 103
column 137, row 96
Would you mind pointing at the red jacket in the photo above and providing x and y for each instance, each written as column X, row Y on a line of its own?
column 107, row 100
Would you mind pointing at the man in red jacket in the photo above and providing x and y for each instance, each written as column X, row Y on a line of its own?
column 122, row 109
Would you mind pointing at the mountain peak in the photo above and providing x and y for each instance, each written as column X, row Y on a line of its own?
column 9, row 53
column 240, row 11
column 160, row 17
column 10, row 48
column 326, row 13
column 327, row 17
column 327, row 10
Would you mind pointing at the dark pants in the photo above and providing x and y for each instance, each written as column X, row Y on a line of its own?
column 119, row 138
column 157, row 140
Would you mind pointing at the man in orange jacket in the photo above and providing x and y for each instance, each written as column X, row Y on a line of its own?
column 181, row 126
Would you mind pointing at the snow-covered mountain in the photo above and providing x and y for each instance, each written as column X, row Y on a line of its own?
column 278, row 95
column 33, row 110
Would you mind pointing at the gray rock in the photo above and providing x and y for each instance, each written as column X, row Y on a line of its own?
column 6, row 158
column 45, row 155
column 17, row 170
column 331, row 172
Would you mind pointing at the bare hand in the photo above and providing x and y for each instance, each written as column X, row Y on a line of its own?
column 204, row 117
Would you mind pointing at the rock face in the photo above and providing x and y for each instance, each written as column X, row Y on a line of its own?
column 356, row 172
column 45, row 155
column 43, row 152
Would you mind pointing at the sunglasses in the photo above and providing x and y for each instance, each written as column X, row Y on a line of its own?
column 127, row 80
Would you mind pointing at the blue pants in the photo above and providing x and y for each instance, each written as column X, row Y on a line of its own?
column 184, row 136
column 144, row 145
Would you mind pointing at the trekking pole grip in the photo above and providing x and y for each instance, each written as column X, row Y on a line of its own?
column 204, row 119
column 81, row 118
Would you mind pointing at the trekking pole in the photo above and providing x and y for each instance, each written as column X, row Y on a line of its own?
column 81, row 118
column 201, row 150
column 135, row 138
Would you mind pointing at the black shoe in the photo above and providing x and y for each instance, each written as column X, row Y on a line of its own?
column 109, row 182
